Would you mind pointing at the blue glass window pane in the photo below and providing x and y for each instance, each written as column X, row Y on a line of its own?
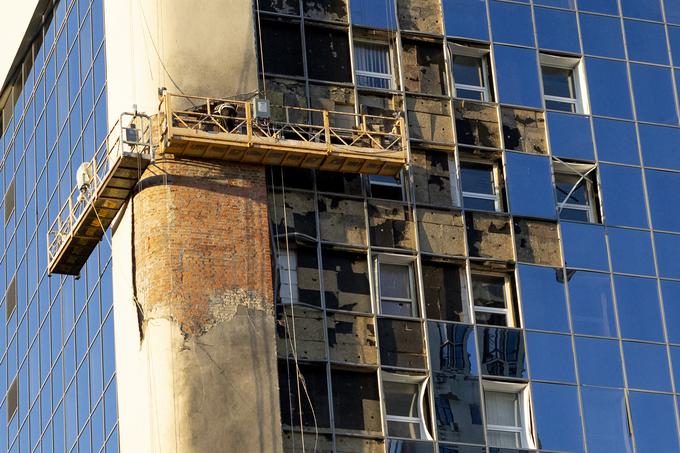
column 511, row 23
column 675, row 364
column 674, row 38
column 606, row 421
column 641, row 9
column 653, row 90
column 556, row 30
column 517, row 76
column 599, row 362
column 599, row 6
column 623, row 196
column 672, row 8
column 638, row 303
column 373, row 13
column 616, row 141
column 664, row 199
column 653, row 422
column 660, row 146
column 584, row 246
column 452, row 348
column 608, row 88
column 646, row 366
column 667, row 253
column 601, row 36
column 529, row 185
column 550, row 357
column 671, row 304
column 501, row 352
column 590, row 298
column 543, row 302
column 646, row 41
column 631, row 251
column 466, row 18
column 569, row 4
column 557, row 429
column 570, row 136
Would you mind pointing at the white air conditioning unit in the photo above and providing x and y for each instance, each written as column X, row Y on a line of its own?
column 84, row 176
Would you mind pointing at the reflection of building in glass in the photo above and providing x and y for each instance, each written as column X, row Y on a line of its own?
column 346, row 225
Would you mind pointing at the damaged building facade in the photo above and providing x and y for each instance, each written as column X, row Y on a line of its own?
column 508, row 283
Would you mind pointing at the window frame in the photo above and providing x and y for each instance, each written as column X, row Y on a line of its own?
column 582, row 172
column 482, row 54
column 421, row 381
column 391, row 77
column 575, row 65
column 522, row 391
column 372, row 182
column 508, row 311
column 399, row 260
column 496, row 178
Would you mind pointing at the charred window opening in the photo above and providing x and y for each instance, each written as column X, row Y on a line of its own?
column 391, row 225
column 11, row 298
column 489, row 236
column 340, row 183
column 298, row 275
column 424, row 68
column 360, row 412
column 291, row 7
column 328, row 54
column 401, row 343
column 351, row 339
column 524, row 130
column 9, row 202
column 476, row 124
column 429, row 120
column 420, row 15
column 441, row 232
column 537, row 242
column 312, row 394
column 387, row 187
column 342, row 220
column 282, row 47
column 292, row 214
column 345, row 280
column 12, row 399
column 330, row 10
column 309, row 341
column 445, row 289
column 432, row 177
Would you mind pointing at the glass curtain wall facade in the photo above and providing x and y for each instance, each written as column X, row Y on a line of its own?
column 518, row 287
column 57, row 371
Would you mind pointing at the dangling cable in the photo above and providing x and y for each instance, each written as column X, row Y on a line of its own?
column 259, row 35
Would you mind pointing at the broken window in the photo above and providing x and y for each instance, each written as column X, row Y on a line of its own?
column 537, row 242
column 343, row 183
column 429, row 120
column 311, row 393
column 492, row 299
column 9, row 202
column 488, row 236
column 282, row 48
column 327, row 54
column 342, row 220
column 396, row 285
column 441, row 232
column 345, row 280
column 476, row 124
column 331, row 10
column 480, row 184
column 280, row 6
column 351, row 339
column 575, row 190
column 424, row 68
column 405, row 399
column 11, row 298
column 356, row 400
column 388, row 187
column 562, row 84
column 401, row 343
column 524, row 130
column 12, row 399
column 470, row 67
column 391, row 225
column 432, row 177
column 298, row 276
column 373, row 65
column 309, row 341
column 445, row 289
column 508, row 423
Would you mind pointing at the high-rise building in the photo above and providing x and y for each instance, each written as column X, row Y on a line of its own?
column 404, row 226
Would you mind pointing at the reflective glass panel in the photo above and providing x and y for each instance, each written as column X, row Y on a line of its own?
column 608, row 88
column 641, row 9
column 675, row 364
column 557, row 429
column 517, row 76
column 543, row 302
column 501, row 352
column 458, row 408
column 606, row 421
column 672, row 8
column 590, row 299
column 653, row 90
column 653, row 422
column 660, row 146
column 569, row 4
column 623, row 196
column 599, row 6
column 646, row 41
column 631, row 251
column 550, row 357
column 373, row 13
column 452, row 348
column 664, row 199
column 638, row 305
column 570, row 135
column 529, row 185
column 466, row 18
column 667, row 253
column 599, row 362
column 511, row 23
column 674, row 39
column 584, row 246
column 574, row 197
column 671, row 304
column 556, row 30
column 646, row 366
column 601, row 36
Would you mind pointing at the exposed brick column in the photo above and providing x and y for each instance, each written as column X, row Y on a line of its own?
column 202, row 276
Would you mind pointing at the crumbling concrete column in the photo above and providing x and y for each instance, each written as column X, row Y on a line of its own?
column 203, row 289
